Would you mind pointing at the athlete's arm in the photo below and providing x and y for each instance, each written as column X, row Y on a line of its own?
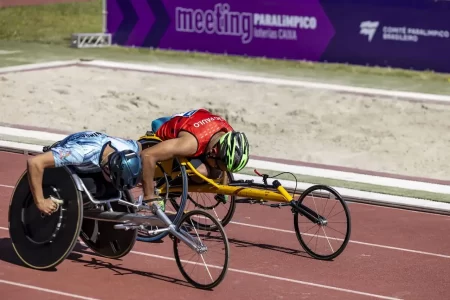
column 36, row 166
column 70, row 154
column 185, row 145
column 224, row 180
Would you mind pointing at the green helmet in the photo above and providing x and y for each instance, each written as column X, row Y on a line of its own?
column 234, row 150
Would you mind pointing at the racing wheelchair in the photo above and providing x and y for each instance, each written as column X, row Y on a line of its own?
column 317, row 217
column 109, row 226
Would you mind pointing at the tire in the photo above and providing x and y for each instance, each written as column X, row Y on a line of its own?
column 43, row 242
column 108, row 241
column 146, row 143
column 298, row 232
column 229, row 214
column 177, row 242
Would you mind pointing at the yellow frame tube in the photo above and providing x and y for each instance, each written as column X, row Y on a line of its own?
column 213, row 187
column 281, row 195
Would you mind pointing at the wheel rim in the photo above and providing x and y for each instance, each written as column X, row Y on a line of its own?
column 211, row 265
column 329, row 238
column 173, row 202
column 49, row 226
column 212, row 203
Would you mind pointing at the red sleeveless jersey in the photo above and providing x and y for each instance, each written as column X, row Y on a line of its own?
column 200, row 123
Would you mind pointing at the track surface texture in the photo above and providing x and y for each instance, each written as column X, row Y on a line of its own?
column 392, row 254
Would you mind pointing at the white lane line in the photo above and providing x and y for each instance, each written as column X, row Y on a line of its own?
column 261, row 275
column 348, row 176
column 37, row 66
column 33, row 287
column 28, row 133
column 268, row 165
column 350, row 241
column 383, row 198
column 7, row 186
column 267, row 80
column 348, row 202
column 229, row 76
column 275, row 277
column 254, row 163
column 254, row 274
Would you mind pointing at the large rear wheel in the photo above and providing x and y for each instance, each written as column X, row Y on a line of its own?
column 175, row 202
column 44, row 241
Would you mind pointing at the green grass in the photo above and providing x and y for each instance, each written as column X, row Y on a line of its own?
column 49, row 24
column 356, row 185
column 43, row 34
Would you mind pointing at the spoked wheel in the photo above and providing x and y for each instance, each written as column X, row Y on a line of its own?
column 168, row 175
column 221, row 207
column 206, row 267
column 326, row 239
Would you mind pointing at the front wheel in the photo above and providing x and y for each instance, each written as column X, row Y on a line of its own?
column 326, row 239
column 213, row 250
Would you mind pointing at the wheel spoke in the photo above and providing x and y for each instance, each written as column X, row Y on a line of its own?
column 213, row 273
column 313, row 198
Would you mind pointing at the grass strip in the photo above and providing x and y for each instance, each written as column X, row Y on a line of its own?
column 366, row 187
column 300, row 178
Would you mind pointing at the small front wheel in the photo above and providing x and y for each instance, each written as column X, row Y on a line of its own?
column 327, row 238
column 209, row 262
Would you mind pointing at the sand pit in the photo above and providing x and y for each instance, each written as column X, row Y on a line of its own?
column 365, row 132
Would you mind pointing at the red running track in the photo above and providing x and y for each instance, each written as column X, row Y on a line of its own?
column 393, row 254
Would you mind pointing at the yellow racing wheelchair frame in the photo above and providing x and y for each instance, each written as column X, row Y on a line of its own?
column 257, row 192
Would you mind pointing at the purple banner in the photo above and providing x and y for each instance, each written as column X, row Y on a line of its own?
column 361, row 32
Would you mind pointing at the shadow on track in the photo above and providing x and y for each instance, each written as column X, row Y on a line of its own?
column 244, row 244
column 88, row 259
column 7, row 254
column 98, row 262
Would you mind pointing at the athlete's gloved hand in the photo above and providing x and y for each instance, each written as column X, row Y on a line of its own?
column 46, row 206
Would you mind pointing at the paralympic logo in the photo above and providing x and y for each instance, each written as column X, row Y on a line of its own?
column 223, row 21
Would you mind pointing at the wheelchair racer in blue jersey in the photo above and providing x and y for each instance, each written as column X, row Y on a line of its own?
column 110, row 163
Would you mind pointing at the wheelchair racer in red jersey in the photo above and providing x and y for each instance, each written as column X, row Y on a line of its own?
column 210, row 143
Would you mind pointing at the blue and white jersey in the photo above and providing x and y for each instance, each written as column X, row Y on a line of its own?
column 82, row 150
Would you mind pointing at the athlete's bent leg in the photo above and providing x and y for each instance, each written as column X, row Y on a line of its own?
column 211, row 173
column 205, row 170
column 98, row 186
